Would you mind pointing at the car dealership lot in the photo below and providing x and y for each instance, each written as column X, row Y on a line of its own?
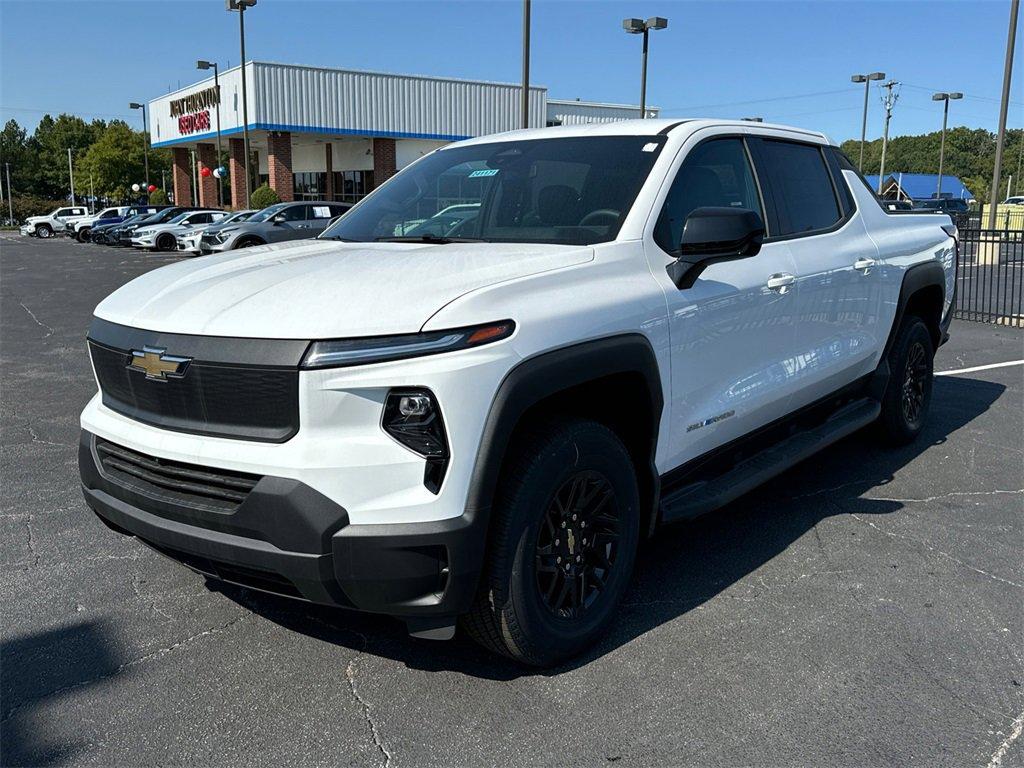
column 864, row 608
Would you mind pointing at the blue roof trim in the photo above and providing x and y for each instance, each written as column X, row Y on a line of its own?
column 312, row 129
column 921, row 186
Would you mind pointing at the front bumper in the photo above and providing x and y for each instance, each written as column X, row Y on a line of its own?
column 287, row 538
column 27, row 229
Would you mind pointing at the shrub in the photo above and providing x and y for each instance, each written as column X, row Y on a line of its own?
column 158, row 197
column 28, row 205
column 263, row 196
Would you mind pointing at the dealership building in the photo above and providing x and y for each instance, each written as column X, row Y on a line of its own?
column 333, row 134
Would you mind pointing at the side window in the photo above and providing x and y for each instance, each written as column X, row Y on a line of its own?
column 714, row 174
column 62, row 212
column 802, row 186
column 337, row 210
column 321, row 211
column 296, row 213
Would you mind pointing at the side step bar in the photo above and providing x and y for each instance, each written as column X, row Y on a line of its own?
column 697, row 498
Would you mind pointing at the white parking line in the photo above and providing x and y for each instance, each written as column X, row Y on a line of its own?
column 979, row 368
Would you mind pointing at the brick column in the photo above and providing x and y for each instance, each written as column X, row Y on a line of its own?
column 207, row 158
column 383, row 160
column 329, row 184
column 180, row 176
column 279, row 164
column 236, row 173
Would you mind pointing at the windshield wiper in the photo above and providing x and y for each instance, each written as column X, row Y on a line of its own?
column 340, row 239
column 433, row 239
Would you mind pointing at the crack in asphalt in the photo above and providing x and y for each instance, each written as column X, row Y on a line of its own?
column 930, row 548
column 159, row 653
column 40, row 323
column 350, row 675
column 1000, row 753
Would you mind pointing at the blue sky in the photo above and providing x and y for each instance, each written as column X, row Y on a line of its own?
column 786, row 61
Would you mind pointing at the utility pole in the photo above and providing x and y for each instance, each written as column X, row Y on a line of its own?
column 71, row 177
column 1011, row 38
column 526, row 65
column 10, row 200
column 888, row 101
column 92, row 196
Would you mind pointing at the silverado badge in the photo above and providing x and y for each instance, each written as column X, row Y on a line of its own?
column 157, row 364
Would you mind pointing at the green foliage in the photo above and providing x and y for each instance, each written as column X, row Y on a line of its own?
column 159, row 197
column 28, row 205
column 970, row 156
column 263, row 196
column 115, row 161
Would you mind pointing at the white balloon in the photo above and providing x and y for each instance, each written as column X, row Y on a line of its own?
column 216, row 173
column 136, row 187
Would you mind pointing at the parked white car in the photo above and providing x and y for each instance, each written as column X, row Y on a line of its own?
column 164, row 237
column 55, row 221
column 642, row 321
column 188, row 242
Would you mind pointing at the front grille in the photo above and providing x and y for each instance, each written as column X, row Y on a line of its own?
column 236, row 401
column 219, row 490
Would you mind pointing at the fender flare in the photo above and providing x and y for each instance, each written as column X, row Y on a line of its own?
column 547, row 374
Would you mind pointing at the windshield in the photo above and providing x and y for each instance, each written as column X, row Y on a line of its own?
column 237, row 216
column 574, row 190
column 266, row 213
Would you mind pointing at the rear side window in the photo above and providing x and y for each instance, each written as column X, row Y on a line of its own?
column 802, row 186
column 296, row 213
column 714, row 174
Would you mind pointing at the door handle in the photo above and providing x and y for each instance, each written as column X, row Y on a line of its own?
column 780, row 282
column 864, row 265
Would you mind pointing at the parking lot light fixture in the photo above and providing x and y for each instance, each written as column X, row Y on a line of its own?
column 866, row 79
column 945, row 98
column 240, row 6
column 641, row 27
column 205, row 65
column 145, row 138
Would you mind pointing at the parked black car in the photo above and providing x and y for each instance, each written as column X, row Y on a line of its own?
column 944, row 204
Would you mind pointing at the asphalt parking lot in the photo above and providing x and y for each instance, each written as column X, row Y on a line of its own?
column 864, row 609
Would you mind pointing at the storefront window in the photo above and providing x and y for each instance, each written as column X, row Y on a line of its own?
column 352, row 186
column 310, row 186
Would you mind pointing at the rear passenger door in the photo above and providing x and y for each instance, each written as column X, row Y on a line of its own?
column 319, row 217
column 838, row 294
column 732, row 331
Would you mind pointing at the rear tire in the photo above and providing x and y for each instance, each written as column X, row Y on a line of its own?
column 563, row 539
column 908, row 395
column 248, row 242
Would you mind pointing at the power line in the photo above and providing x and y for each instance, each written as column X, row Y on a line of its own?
column 755, row 101
column 966, row 95
column 7, row 108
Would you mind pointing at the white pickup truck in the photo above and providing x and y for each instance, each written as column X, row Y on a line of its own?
column 638, row 322
column 55, row 221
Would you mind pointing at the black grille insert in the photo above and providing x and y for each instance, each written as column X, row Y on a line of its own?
column 226, row 400
column 220, row 490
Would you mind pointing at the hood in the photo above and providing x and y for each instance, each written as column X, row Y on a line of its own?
column 310, row 289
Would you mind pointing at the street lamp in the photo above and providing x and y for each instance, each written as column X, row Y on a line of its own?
column 641, row 27
column 216, row 84
column 945, row 99
column 866, row 79
column 145, row 130
column 240, row 6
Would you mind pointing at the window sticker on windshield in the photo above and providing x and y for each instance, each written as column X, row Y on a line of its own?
column 484, row 172
column 650, row 146
column 321, row 212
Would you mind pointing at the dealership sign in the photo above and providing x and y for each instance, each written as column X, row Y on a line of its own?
column 193, row 111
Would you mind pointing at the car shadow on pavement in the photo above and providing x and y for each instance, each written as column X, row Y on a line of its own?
column 685, row 565
column 40, row 668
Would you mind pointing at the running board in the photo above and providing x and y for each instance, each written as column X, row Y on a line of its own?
column 703, row 496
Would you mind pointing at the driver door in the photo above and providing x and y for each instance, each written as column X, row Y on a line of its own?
column 733, row 331
column 293, row 226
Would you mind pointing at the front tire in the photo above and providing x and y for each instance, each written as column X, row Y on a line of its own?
column 165, row 242
column 564, row 533
column 44, row 231
column 83, row 235
column 908, row 395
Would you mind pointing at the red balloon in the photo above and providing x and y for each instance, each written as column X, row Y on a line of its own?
column 205, row 172
column 151, row 188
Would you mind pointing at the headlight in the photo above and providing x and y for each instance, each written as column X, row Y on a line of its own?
column 339, row 353
column 413, row 418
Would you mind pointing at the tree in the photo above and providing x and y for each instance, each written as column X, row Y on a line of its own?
column 51, row 140
column 159, row 197
column 15, row 149
column 263, row 196
column 115, row 161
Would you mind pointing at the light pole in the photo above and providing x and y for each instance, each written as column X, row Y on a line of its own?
column 889, row 102
column 71, row 177
column 216, row 85
column 10, row 200
column 526, row 64
column 866, row 79
column 145, row 139
column 641, row 27
column 1004, row 104
column 945, row 99
column 240, row 6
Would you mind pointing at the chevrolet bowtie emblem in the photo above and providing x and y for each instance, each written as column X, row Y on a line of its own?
column 157, row 364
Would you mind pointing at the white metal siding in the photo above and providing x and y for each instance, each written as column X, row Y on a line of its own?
column 582, row 112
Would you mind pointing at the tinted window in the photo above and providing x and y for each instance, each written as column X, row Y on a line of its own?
column 562, row 190
column 296, row 213
column 64, row 212
column 804, row 195
column 714, row 174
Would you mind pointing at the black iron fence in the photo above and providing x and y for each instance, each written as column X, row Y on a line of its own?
column 990, row 278
column 1008, row 219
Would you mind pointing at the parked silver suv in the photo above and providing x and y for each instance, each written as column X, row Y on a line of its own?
column 274, row 224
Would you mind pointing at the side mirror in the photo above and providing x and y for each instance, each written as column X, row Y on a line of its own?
column 713, row 235
column 278, row 219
